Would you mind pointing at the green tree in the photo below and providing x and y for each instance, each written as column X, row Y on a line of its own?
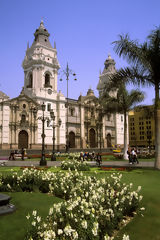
column 144, row 68
column 119, row 100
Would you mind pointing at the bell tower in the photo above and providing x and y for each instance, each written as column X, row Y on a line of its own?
column 40, row 65
column 109, row 68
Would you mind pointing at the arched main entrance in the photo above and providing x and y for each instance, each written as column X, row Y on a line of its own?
column 23, row 139
column 109, row 144
column 72, row 140
column 92, row 138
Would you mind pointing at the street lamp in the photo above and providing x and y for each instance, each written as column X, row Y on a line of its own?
column 43, row 161
column 67, row 72
column 88, row 119
column 53, row 157
column 34, row 115
column 99, row 129
column 149, row 140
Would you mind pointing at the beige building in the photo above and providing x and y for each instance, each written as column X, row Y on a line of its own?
column 83, row 125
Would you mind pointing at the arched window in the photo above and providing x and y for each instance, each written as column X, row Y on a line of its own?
column 30, row 81
column 47, row 80
column 23, row 118
column 72, row 111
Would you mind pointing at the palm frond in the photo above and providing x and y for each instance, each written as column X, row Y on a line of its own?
column 135, row 75
column 128, row 49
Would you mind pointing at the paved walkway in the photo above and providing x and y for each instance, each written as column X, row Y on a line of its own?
column 92, row 163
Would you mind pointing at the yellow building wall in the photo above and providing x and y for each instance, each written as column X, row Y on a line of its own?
column 141, row 126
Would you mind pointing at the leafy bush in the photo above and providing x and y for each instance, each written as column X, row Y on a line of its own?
column 74, row 164
column 93, row 210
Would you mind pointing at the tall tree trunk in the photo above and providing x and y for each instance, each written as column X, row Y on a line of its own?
column 157, row 128
column 125, row 155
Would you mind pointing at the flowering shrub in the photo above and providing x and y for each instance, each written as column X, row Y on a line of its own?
column 68, row 155
column 93, row 208
column 74, row 164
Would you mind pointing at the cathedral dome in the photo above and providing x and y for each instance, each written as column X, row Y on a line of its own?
column 90, row 92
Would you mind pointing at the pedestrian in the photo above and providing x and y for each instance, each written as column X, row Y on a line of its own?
column 11, row 157
column 99, row 159
column 134, row 156
column 93, row 155
column 85, row 155
column 129, row 155
column 81, row 156
column 22, row 153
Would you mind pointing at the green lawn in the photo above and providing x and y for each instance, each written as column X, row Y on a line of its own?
column 14, row 226
column 147, row 227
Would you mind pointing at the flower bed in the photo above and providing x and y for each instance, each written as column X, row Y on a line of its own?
column 38, row 156
column 116, row 168
column 93, row 208
column 36, row 168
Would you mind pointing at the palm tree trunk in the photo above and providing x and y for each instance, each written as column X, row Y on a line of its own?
column 125, row 155
column 157, row 128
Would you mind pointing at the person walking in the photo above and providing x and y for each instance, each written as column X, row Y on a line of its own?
column 99, row 159
column 129, row 155
column 134, row 156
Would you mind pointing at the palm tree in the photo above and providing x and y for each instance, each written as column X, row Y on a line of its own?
column 144, row 60
column 121, row 102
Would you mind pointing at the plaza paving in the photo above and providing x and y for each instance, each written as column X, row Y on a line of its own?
column 92, row 163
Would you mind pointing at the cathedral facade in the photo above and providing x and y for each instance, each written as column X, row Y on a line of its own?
column 83, row 124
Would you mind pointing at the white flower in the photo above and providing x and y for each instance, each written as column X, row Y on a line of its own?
column 125, row 237
column 8, row 185
column 34, row 213
column 50, row 211
column 84, row 224
column 34, row 223
column 38, row 219
column 142, row 208
column 28, row 216
column 139, row 188
column 60, row 231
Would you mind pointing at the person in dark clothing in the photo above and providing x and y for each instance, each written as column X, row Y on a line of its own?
column 22, row 152
column 93, row 156
column 99, row 159
column 11, row 157
column 81, row 156
column 129, row 155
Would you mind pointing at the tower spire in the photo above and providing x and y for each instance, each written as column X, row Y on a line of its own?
column 42, row 24
column 54, row 44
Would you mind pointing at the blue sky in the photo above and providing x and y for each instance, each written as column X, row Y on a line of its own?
column 83, row 31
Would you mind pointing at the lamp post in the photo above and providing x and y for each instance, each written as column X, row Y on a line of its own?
column 99, row 129
column 53, row 157
column 88, row 123
column 34, row 115
column 43, row 161
column 149, row 140
column 67, row 72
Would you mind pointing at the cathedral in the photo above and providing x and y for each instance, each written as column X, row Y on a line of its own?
column 82, row 123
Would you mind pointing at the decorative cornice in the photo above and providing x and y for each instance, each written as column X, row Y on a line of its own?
column 28, row 64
